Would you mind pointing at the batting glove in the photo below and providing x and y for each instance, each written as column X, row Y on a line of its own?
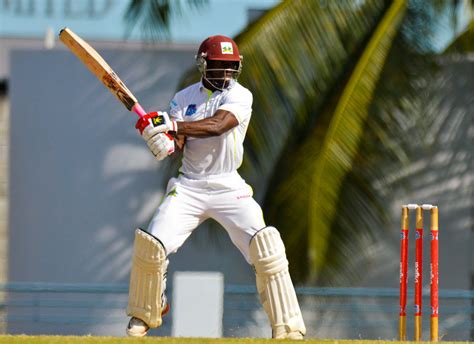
column 160, row 144
column 160, row 121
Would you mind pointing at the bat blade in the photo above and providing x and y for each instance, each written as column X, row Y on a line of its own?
column 97, row 65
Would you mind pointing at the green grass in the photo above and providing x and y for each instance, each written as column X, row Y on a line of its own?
column 170, row 340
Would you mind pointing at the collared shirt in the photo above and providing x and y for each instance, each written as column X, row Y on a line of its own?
column 212, row 156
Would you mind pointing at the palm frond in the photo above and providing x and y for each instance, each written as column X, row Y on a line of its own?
column 406, row 110
column 293, row 58
column 326, row 157
column 153, row 16
column 465, row 41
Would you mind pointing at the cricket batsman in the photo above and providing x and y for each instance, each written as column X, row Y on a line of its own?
column 208, row 120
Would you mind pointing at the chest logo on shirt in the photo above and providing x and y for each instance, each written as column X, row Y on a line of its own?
column 191, row 110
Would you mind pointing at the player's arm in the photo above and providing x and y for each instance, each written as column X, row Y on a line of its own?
column 221, row 122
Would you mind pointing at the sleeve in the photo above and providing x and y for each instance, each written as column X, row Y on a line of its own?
column 175, row 109
column 239, row 103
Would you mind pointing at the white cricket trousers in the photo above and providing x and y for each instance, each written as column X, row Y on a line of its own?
column 188, row 202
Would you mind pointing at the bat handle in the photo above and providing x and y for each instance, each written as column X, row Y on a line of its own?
column 137, row 108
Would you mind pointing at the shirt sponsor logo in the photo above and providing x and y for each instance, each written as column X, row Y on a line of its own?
column 191, row 110
column 226, row 48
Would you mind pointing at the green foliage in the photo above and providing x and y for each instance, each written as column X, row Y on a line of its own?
column 315, row 172
column 465, row 42
column 409, row 105
column 294, row 57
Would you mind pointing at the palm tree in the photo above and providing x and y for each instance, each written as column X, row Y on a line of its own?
column 313, row 83
column 330, row 83
column 153, row 16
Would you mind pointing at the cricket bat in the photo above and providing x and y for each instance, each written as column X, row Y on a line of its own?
column 97, row 65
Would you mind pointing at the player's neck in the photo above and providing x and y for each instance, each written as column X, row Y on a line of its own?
column 209, row 86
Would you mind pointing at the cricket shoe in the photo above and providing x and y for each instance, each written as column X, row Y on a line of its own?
column 296, row 335
column 138, row 328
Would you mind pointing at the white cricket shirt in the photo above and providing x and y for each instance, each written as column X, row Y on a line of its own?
column 210, row 157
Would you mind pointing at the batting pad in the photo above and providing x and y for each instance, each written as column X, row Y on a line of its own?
column 274, row 285
column 146, row 279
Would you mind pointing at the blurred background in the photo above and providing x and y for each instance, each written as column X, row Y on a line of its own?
column 360, row 106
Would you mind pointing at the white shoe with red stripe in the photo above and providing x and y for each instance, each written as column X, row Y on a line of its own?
column 138, row 328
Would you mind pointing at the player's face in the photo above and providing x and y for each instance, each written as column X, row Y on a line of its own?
column 220, row 73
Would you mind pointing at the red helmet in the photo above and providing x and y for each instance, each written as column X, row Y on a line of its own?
column 218, row 48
